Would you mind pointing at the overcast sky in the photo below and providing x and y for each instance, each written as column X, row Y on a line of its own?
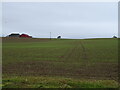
column 70, row 20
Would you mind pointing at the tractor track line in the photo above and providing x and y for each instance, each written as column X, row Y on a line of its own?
column 73, row 52
column 85, row 56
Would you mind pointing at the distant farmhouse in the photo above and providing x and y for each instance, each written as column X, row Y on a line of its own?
column 14, row 35
column 59, row 37
column 114, row 36
column 18, row 35
column 25, row 35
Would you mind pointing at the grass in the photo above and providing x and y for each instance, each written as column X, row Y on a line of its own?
column 82, row 63
column 56, row 82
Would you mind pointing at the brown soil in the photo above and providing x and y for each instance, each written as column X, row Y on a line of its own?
column 50, row 68
column 17, row 39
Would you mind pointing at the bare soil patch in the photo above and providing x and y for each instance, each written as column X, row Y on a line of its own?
column 54, row 68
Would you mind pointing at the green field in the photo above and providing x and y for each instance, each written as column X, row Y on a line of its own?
column 60, row 63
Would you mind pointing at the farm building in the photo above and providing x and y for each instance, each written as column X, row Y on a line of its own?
column 25, row 36
column 18, row 35
column 14, row 35
column 59, row 37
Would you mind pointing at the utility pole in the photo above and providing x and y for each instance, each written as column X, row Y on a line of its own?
column 2, row 35
column 50, row 35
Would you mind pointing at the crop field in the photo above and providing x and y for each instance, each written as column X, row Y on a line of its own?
column 60, row 63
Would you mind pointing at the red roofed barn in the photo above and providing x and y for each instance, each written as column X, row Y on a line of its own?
column 25, row 36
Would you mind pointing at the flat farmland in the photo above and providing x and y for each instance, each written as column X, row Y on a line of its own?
column 60, row 63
